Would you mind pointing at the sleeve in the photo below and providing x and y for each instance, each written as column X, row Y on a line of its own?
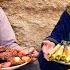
column 59, row 33
column 7, row 35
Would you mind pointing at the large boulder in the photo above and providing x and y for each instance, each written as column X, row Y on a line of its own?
column 33, row 20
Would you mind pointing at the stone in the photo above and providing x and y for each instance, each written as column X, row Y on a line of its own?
column 33, row 20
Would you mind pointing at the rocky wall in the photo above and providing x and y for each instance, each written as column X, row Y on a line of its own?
column 33, row 20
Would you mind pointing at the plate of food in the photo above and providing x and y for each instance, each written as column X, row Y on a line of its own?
column 11, row 59
column 60, row 54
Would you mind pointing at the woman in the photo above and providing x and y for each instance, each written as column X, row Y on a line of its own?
column 59, row 33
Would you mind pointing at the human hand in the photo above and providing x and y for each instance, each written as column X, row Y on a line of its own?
column 47, row 47
column 32, row 52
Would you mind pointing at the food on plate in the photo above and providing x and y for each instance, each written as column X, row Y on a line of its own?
column 61, row 52
column 11, row 57
column 67, row 59
column 6, row 55
column 2, row 49
column 54, row 50
column 68, row 50
column 15, row 60
column 26, row 58
column 65, row 54
column 22, row 53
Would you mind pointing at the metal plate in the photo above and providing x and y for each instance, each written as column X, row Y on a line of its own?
column 14, row 67
column 61, row 62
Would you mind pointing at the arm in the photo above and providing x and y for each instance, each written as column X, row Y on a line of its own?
column 7, row 35
column 60, row 31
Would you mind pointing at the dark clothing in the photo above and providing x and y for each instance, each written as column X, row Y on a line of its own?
column 62, row 29
column 60, row 32
column 50, row 65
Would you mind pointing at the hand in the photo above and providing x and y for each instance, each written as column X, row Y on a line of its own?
column 47, row 46
column 33, row 52
column 27, row 51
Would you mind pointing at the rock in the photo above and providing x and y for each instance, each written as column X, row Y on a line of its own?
column 33, row 20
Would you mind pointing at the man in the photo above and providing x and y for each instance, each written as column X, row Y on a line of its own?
column 60, row 32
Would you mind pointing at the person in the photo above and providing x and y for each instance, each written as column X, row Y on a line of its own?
column 7, row 36
column 59, row 33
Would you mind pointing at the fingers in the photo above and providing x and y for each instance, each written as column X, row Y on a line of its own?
column 46, row 57
column 35, row 54
column 31, row 49
column 32, row 52
column 48, row 42
column 25, row 51
column 45, row 49
column 47, row 46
